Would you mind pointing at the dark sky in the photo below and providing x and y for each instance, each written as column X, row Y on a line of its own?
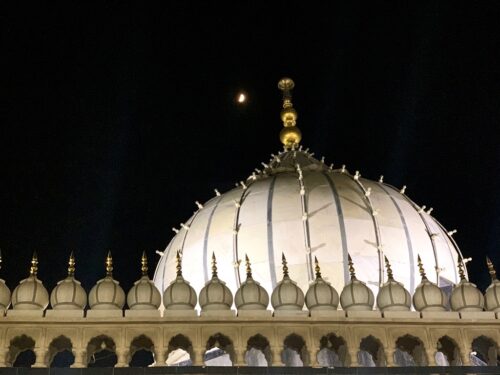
column 115, row 119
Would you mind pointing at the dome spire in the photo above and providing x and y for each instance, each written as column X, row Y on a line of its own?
column 489, row 263
column 249, row 268
column 352, row 271
column 290, row 136
column 389, row 269
column 109, row 264
column 34, row 265
column 178, row 263
column 421, row 268
column 144, row 264
column 1, row 259
column 461, row 272
column 71, row 265
column 285, row 267
column 316, row 268
column 214, row 265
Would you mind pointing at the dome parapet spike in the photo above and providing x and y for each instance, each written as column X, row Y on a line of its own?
column 214, row 266
column 34, row 265
column 421, row 268
column 144, row 264
column 352, row 271
column 109, row 264
column 290, row 135
column 1, row 259
column 461, row 271
column 491, row 269
column 285, row 266
column 317, row 269
column 71, row 265
column 178, row 263
column 248, row 267
column 389, row 269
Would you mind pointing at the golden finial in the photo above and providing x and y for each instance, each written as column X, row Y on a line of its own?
column 144, row 264
column 389, row 269
column 178, row 262
column 109, row 264
column 491, row 269
column 34, row 265
column 421, row 268
column 290, row 135
column 214, row 265
column 71, row 264
column 351, row 267
column 0, row 258
column 461, row 272
column 249, row 269
column 285, row 267
column 316, row 268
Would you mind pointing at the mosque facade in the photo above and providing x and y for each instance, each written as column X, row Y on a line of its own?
column 302, row 264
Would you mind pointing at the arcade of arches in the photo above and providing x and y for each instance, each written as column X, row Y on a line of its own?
column 279, row 342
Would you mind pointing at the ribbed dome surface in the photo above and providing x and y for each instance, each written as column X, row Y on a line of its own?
column 179, row 295
column 4, row 295
column 107, row 294
column 68, row 295
column 287, row 295
column 393, row 296
column 466, row 297
column 143, row 295
column 299, row 205
column 251, row 296
column 321, row 296
column 30, row 294
column 356, row 296
column 215, row 295
column 492, row 296
column 428, row 297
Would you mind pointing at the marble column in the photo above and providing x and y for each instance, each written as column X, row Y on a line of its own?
column 40, row 354
column 121, row 354
column 159, row 357
column 80, row 358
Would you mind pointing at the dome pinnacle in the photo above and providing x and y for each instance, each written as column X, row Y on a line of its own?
column 491, row 269
column 389, row 269
column 285, row 267
column 290, row 135
column 248, row 265
column 351, row 267
column 71, row 265
column 34, row 265
column 461, row 272
column 109, row 264
column 316, row 268
column 144, row 264
column 178, row 262
column 421, row 268
column 214, row 266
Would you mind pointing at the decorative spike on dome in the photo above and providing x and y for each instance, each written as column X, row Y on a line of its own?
column 489, row 263
column 421, row 268
column 109, row 264
column 178, row 263
column 0, row 258
column 290, row 135
column 461, row 271
column 284, row 263
column 316, row 268
column 34, row 265
column 389, row 269
column 248, row 265
column 352, row 272
column 214, row 265
column 144, row 264
column 71, row 265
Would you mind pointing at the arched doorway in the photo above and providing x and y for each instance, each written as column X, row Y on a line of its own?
column 484, row 352
column 180, row 351
column 409, row 351
column 101, row 352
column 294, row 352
column 220, row 351
column 21, row 351
column 371, row 352
column 333, row 351
column 447, row 352
column 258, row 352
column 141, row 352
column 61, row 352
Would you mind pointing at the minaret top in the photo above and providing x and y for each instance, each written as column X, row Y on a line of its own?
column 351, row 267
column 285, row 266
column 178, row 263
column 214, row 266
column 34, row 265
column 389, row 269
column 144, row 264
column 290, row 135
column 421, row 268
column 71, row 265
column 249, row 268
column 316, row 268
column 109, row 265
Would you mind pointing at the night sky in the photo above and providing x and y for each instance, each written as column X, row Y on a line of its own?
column 115, row 120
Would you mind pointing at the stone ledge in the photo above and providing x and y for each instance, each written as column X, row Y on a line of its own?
column 24, row 314
column 257, row 314
column 329, row 314
column 371, row 314
column 401, row 315
column 222, row 314
column 104, row 313
column 142, row 313
column 451, row 315
column 477, row 315
column 291, row 314
column 64, row 314
column 190, row 314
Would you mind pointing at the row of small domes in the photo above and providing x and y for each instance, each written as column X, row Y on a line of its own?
column 107, row 294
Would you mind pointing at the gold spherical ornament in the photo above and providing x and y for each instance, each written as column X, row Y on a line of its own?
column 289, row 116
column 290, row 135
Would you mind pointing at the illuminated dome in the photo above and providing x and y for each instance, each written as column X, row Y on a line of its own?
column 287, row 295
column 428, row 296
column 250, row 295
column 356, row 295
column 321, row 295
column 393, row 296
column 492, row 294
column 4, row 293
column 299, row 205
column 68, row 293
column 107, row 294
column 30, row 294
column 465, row 295
column 179, row 295
column 143, row 295
column 215, row 295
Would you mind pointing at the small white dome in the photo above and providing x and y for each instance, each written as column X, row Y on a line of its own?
column 68, row 293
column 251, row 295
column 392, row 295
column 107, row 294
column 4, row 295
column 321, row 295
column 179, row 295
column 215, row 295
column 30, row 294
column 428, row 296
column 287, row 295
column 356, row 296
column 492, row 294
column 465, row 295
column 143, row 295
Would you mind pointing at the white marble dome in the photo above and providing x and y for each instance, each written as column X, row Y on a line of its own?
column 143, row 295
column 466, row 297
column 30, row 294
column 4, row 296
column 215, row 295
column 356, row 295
column 428, row 296
column 107, row 294
column 68, row 294
column 392, row 295
column 179, row 295
column 299, row 205
column 287, row 295
column 251, row 295
column 321, row 295
column 492, row 296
